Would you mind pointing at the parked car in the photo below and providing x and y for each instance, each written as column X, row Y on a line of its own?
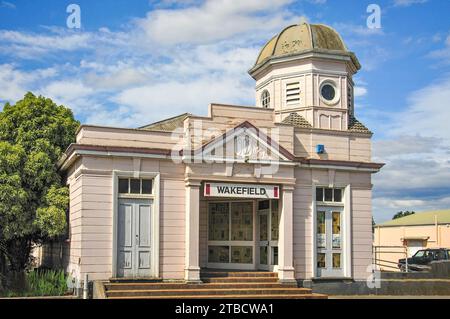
column 422, row 259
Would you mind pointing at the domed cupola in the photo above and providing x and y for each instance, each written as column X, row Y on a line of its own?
column 301, row 38
column 307, row 69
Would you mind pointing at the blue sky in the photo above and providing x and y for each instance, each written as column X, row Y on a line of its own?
column 134, row 62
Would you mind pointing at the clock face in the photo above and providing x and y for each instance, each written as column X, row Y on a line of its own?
column 328, row 92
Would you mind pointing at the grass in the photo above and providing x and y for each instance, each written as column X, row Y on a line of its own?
column 40, row 283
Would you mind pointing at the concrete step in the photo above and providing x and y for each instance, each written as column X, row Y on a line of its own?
column 136, row 280
column 150, row 286
column 260, row 296
column 240, row 274
column 240, row 279
column 203, row 292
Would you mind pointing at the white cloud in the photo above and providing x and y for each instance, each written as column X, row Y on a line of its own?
column 442, row 54
column 29, row 45
column 365, row 41
column 71, row 93
column 360, row 30
column 214, row 20
column 116, row 79
column 407, row 3
column 194, row 96
column 14, row 83
column 391, row 206
column 428, row 113
column 417, row 154
column 156, row 66
column 360, row 91
column 6, row 4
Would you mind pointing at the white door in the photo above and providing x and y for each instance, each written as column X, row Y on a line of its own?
column 329, row 242
column 268, row 227
column 134, row 238
column 414, row 246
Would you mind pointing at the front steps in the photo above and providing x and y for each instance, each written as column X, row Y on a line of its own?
column 216, row 285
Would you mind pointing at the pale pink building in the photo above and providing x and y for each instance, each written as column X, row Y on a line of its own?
column 283, row 186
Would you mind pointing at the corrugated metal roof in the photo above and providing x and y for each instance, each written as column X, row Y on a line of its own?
column 424, row 218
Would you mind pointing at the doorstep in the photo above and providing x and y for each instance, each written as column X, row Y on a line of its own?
column 135, row 280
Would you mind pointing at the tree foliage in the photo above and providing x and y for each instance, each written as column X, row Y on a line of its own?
column 403, row 214
column 34, row 133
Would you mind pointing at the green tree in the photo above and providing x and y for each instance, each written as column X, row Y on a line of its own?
column 403, row 214
column 34, row 133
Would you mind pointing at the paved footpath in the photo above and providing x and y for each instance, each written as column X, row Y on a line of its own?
column 387, row 297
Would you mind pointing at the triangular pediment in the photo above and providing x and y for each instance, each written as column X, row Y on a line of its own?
column 245, row 143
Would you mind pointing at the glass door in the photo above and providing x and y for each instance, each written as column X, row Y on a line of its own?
column 268, row 226
column 231, row 235
column 329, row 242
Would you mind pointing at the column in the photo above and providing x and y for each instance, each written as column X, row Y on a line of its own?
column 192, row 218
column 286, row 237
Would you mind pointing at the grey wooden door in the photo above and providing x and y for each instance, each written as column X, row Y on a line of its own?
column 134, row 238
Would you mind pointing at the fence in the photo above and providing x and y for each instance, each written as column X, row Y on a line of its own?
column 386, row 257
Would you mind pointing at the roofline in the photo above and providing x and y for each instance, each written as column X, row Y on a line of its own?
column 302, row 55
column 267, row 43
column 252, row 107
column 412, row 225
column 115, row 128
column 165, row 120
column 247, row 124
column 352, row 55
column 188, row 115
column 87, row 149
column 334, row 30
column 338, row 163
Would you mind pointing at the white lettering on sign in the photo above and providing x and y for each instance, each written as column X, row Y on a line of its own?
column 241, row 191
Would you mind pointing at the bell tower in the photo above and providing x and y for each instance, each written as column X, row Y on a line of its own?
column 305, row 74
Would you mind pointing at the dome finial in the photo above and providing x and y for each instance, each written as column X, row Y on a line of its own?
column 303, row 20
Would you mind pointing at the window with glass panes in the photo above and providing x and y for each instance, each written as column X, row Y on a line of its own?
column 325, row 194
column 135, row 186
column 230, row 233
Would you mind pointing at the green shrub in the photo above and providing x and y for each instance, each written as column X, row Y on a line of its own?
column 39, row 283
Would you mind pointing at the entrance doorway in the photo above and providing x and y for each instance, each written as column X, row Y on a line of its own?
column 243, row 235
column 268, row 228
column 329, row 242
column 134, row 238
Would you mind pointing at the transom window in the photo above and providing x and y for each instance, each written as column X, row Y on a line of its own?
column 265, row 99
column 329, row 194
column 137, row 186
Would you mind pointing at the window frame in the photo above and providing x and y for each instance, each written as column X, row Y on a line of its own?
column 265, row 99
column 346, row 235
column 333, row 202
column 129, row 194
column 337, row 94
column 231, row 243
